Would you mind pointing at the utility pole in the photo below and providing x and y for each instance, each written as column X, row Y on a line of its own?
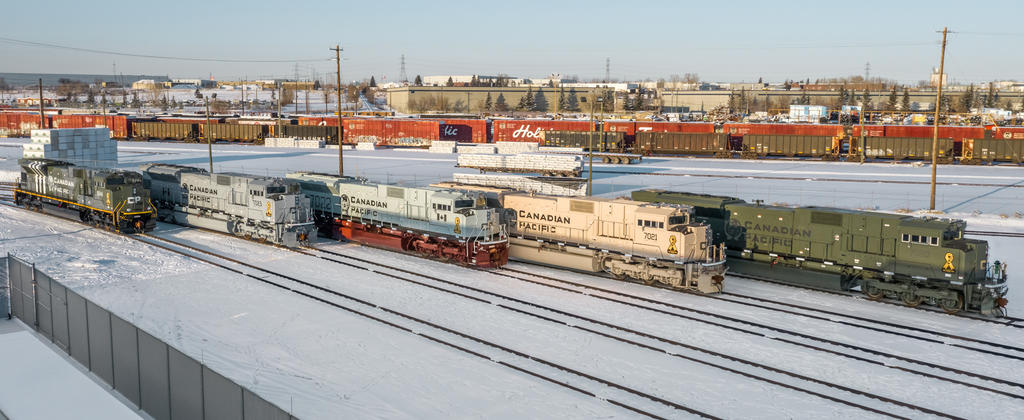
column 337, row 59
column 938, row 103
column 279, row 116
column 42, row 116
column 243, row 97
column 209, row 141
column 590, row 146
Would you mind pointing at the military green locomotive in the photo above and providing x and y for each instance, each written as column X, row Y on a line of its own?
column 109, row 198
column 917, row 260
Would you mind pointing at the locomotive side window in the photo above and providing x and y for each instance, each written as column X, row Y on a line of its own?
column 906, row 237
column 935, row 241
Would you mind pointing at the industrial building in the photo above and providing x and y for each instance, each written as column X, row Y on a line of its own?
column 413, row 99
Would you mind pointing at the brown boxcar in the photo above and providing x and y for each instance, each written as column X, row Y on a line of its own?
column 993, row 150
column 743, row 129
column 410, row 132
column 899, row 148
column 682, row 143
column 1008, row 133
column 957, row 133
column 869, row 131
column 144, row 130
column 310, row 132
column 21, row 124
column 789, row 145
column 603, row 141
column 463, row 130
column 533, row 130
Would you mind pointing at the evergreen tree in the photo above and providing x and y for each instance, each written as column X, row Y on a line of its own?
column 488, row 104
column 500, row 104
column 90, row 97
column 866, row 99
column 373, row 82
column 967, row 99
column 991, row 98
column 906, row 99
column 805, row 98
column 732, row 101
column 198, row 94
column 893, row 100
column 473, row 81
column 418, row 81
column 844, row 96
column 450, row 82
column 562, row 104
column 540, row 103
column 573, row 103
column 609, row 101
column 135, row 100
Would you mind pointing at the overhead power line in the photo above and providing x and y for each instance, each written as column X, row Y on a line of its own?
column 158, row 57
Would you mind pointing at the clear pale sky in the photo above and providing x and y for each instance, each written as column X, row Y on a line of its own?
column 719, row 40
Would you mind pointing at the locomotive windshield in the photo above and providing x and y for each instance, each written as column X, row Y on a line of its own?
column 275, row 189
column 459, row 204
column 115, row 180
column 677, row 220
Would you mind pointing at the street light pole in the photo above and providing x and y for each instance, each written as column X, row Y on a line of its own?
column 209, row 142
column 938, row 103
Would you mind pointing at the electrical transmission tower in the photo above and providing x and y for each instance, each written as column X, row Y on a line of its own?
column 867, row 71
column 607, row 69
column 401, row 75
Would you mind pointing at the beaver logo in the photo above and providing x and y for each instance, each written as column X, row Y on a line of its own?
column 268, row 209
column 344, row 202
column 672, row 245
column 948, row 266
column 458, row 228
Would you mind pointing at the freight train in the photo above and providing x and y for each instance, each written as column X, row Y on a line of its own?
column 109, row 198
column 439, row 223
column 916, row 260
column 259, row 208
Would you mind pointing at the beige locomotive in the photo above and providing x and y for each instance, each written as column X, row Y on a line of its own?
column 643, row 241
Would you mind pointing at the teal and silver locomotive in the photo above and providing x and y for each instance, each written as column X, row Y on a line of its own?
column 913, row 259
column 109, row 198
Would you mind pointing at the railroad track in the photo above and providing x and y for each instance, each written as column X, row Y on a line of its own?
column 1007, row 321
column 590, row 291
column 7, row 192
column 805, row 178
column 527, row 357
column 994, row 233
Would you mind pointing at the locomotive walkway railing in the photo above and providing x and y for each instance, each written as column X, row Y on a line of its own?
column 154, row 376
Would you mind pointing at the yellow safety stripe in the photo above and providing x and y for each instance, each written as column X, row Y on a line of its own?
column 72, row 203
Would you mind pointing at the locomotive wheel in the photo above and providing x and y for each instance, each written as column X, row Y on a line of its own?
column 873, row 293
column 952, row 306
column 912, row 300
column 619, row 276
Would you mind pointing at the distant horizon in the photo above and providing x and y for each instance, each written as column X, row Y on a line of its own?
column 652, row 40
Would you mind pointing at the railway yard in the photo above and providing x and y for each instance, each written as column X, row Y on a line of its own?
column 338, row 329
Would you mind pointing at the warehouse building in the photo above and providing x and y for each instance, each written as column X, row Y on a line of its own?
column 417, row 99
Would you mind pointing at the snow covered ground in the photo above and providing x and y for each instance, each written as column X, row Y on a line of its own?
column 38, row 383
column 320, row 362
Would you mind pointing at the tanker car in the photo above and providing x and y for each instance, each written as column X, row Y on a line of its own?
column 917, row 260
column 110, row 198
column 628, row 239
column 439, row 223
column 259, row 208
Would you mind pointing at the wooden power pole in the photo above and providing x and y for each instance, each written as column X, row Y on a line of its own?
column 42, row 116
column 938, row 104
column 337, row 59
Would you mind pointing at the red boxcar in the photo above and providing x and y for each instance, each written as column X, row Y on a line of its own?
column 463, row 131
column 21, row 124
column 676, row 127
column 533, row 130
column 118, row 124
column 1008, row 133
column 393, row 132
column 869, row 131
column 329, row 121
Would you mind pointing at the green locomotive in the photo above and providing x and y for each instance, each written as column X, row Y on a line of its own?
column 109, row 198
column 917, row 260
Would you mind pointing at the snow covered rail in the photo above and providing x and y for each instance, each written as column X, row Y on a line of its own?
column 574, row 319
column 469, row 344
column 678, row 311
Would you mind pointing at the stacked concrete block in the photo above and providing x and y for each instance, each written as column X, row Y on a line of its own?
column 561, row 149
column 481, row 161
column 478, row 149
column 279, row 142
column 365, row 145
column 574, row 187
column 438, row 146
column 82, row 146
column 310, row 144
column 524, row 162
column 514, row 147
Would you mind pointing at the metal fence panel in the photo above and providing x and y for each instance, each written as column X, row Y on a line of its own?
column 186, row 386
column 257, row 408
column 78, row 327
column 18, row 289
column 61, row 335
column 5, row 287
column 222, row 399
column 154, row 382
column 44, row 316
column 126, row 358
column 100, row 355
column 27, row 295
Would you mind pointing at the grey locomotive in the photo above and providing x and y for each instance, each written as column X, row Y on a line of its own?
column 259, row 208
